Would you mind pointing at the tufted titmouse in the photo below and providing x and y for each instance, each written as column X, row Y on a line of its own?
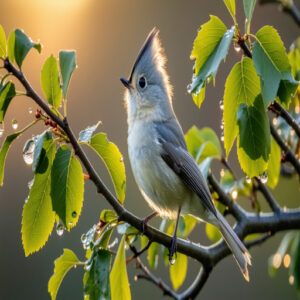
column 167, row 176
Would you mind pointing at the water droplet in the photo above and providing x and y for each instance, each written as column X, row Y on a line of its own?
column 275, row 121
column 14, row 124
column 263, row 177
column 136, row 278
column 75, row 266
column 248, row 179
column 234, row 194
column 1, row 130
column 221, row 104
column 222, row 137
column 26, row 199
column 291, row 279
column 189, row 88
column 74, row 214
column 121, row 159
column 222, row 125
column 172, row 260
column 30, row 110
column 286, row 260
column 28, row 151
column 237, row 47
column 279, row 131
column 60, row 229
column 276, row 260
column 208, row 80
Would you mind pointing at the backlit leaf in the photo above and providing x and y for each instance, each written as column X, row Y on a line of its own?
column 178, row 271
column 86, row 134
column 230, row 4
column 7, row 93
column 274, row 165
column 2, row 43
column 62, row 266
column 119, row 283
column 212, row 232
column 67, row 62
column 242, row 86
column 67, row 185
column 3, row 153
column 249, row 6
column 113, row 160
column 38, row 217
column 50, row 82
column 272, row 64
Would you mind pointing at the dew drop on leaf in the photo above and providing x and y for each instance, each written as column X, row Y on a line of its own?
column 1, row 130
column 264, row 177
column 60, row 229
column 248, row 179
column 74, row 214
column 14, row 124
column 28, row 152
column 221, row 104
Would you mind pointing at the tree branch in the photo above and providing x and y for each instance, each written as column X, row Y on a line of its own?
column 248, row 223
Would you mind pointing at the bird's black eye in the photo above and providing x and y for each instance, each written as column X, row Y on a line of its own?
column 142, row 82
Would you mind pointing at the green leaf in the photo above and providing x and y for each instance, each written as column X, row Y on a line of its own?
column 230, row 4
column 199, row 98
column 249, row 6
column 242, row 86
column 108, row 215
column 62, row 266
column 203, row 143
column 19, row 45
column 294, row 59
column 2, row 42
column 67, row 62
column 86, row 134
column 67, row 187
column 38, row 147
column 178, row 271
column 212, row 232
column 3, row 153
column 119, row 283
column 271, row 63
column 113, row 160
column 38, row 217
column 274, row 165
column 254, row 138
column 152, row 255
column 7, row 93
column 210, row 48
column 50, row 82
column 96, row 281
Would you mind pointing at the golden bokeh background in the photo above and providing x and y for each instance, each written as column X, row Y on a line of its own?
column 107, row 36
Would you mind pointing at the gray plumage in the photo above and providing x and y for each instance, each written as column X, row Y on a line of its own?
column 166, row 174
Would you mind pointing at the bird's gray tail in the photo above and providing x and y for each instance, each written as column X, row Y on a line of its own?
column 238, row 249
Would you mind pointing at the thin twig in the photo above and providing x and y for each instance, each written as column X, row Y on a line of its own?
column 260, row 240
column 268, row 196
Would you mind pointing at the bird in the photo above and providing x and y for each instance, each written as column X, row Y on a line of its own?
column 166, row 174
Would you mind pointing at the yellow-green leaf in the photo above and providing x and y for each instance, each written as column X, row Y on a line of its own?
column 50, row 82
column 178, row 271
column 119, row 283
column 113, row 160
column 62, row 266
column 242, row 86
column 212, row 232
column 230, row 4
column 199, row 98
column 274, row 165
column 67, row 185
column 2, row 42
column 38, row 218
column 7, row 93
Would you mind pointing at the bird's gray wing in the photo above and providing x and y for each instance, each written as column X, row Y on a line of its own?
column 171, row 132
column 181, row 162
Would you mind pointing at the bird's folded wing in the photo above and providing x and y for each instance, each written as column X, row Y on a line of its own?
column 180, row 161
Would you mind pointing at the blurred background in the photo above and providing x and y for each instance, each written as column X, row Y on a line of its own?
column 107, row 36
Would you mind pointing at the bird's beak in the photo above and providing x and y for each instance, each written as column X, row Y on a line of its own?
column 126, row 83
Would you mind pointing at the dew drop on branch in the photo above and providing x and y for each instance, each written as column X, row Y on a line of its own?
column 14, row 124
column 263, row 177
column 237, row 48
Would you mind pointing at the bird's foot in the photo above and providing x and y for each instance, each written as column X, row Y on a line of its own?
column 172, row 250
